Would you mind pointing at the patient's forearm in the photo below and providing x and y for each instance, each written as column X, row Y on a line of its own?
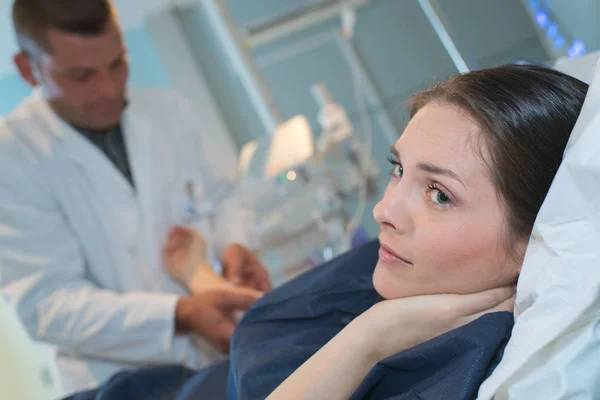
column 203, row 279
column 333, row 373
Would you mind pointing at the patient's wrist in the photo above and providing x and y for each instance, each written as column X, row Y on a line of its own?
column 203, row 279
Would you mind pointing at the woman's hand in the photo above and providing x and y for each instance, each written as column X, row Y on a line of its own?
column 392, row 326
column 184, row 254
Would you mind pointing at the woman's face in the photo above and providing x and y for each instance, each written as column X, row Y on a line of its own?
column 442, row 228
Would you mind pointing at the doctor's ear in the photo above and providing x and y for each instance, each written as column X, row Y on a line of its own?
column 26, row 68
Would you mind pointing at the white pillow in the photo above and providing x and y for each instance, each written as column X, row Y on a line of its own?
column 554, row 352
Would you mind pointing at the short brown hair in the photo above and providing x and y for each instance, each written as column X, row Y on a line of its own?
column 33, row 18
column 526, row 114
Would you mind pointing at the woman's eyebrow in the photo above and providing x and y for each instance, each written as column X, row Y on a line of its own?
column 431, row 168
column 434, row 169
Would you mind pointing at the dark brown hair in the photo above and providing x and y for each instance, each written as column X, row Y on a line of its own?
column 526, row 115
column 33, row 18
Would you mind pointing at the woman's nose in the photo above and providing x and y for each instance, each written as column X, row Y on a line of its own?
column 393, row 209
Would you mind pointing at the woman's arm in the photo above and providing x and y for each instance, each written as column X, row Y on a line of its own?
column 334, row 372
column 389, row 327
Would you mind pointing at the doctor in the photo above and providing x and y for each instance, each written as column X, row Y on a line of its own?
column 94, row 177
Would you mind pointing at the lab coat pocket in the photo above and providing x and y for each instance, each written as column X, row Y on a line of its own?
column 181, row 204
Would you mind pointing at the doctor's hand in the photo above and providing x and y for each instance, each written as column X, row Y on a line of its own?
column 213, row 314
column 392, row 326
column 242, row 268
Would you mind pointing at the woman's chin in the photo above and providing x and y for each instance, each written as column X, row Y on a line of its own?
column 384, row 284
column 393, row 283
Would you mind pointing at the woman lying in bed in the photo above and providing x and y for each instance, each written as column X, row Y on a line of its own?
column 402, row 317
column 468, row 178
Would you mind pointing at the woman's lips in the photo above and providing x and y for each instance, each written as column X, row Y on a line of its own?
column 387, row 256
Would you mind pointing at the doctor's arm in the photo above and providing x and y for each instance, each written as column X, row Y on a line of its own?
column 338, row 368
column 42, row 271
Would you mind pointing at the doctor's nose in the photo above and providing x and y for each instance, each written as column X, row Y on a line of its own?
column 107, row 86
column 393, row 211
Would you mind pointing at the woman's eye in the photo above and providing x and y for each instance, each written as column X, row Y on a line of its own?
column 439, row 197
column 397, row 170
column 442, row 198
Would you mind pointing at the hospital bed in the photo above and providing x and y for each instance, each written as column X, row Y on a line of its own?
column 554, row 352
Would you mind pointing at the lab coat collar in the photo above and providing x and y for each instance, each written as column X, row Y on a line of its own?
column 82, row 152
column 56, row 124
column 41, row 106
column 138, row 135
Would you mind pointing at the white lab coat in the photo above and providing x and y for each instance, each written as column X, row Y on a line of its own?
column 80, row 249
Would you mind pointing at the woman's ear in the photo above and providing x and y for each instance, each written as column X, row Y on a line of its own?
column 25, row 67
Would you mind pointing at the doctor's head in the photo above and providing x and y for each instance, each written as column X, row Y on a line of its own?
column 73, row 50
column 469, row 175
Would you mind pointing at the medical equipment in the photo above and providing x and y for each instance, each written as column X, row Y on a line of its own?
column 298, row 190
column 26, row 371
column 554, row 352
